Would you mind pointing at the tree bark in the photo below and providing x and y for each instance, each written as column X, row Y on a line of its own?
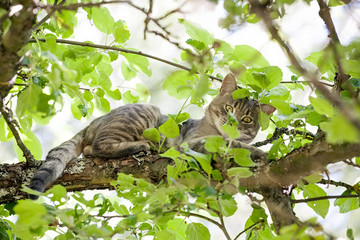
column 269, row 180
column 13, row 40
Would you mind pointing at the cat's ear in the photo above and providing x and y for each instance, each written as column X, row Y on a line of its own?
column 229, row 84
column 266, row 108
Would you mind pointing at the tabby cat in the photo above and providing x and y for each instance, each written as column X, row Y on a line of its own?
column 119, row 133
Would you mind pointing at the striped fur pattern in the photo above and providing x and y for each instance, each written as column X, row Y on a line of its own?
column 119, row 133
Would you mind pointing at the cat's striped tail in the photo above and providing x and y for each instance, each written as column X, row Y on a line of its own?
column 56, row 161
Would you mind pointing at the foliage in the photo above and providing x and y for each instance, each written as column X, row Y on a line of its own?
column 200, row 187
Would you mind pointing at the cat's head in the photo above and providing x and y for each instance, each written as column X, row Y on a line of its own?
column 245, row 110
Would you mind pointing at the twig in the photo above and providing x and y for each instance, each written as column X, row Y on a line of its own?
column 76, row 6
column 336, row 183
column 7, row 114
column 326, row 84
column 85, row 44
column 50, row 13
column 349, row 162
column 262, row 11
column 223, row 227
column 199, row 216
column 294, row 201
column 325, row 15
column 280, row 131
column 243, row 231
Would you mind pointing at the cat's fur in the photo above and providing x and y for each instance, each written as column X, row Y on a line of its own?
column 119, row 133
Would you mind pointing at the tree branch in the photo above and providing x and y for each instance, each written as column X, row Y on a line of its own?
column 243, row 231
column 325, row 15
column 50, row 13
column 8, row 117
column 323, row 198
column 82, row 174
column 300, row 163
column 261, row 10
column 85, row 44
column 13, row 40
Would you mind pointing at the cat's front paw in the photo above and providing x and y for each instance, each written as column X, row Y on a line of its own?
column 88, row 151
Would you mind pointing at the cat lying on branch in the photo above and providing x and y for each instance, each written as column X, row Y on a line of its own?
column 120, row 132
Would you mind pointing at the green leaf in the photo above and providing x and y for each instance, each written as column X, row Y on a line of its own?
column 197, row 231
column 340, row 130
column 314, row 178
column 242, row 157
column 197, row 32
column 114, row 94
column 178, row 227
column 152, row 134
column 347, row 204
column 70, row 19
column 320, row 207
column 179, row 84
column 32, row 143
column 350, row 234
column 73, row 90
column 28, row 100
column 127, row 72
column 203, row 159
column 322, row 106
column 282, row 107
column 227, row 203
column 31, row 222
column 249, row 56
column 214, row 144
column 273, row 153
column 138, row 63
column 88, row 95
column 231, row 131
column 5, row 134
column 164, row 235
column 169, row 128
column 121, row 209
column 241, row 93
column 142, row 91
column 264, row 120
column 182, row 117
column 121, row 34
column 239, row 172
column 171, row 153
column 127, row 97
column 75, row 110
column 58, row 193
column 102, row 19
column 201, row 87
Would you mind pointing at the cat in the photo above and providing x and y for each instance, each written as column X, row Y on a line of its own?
column 119, row 133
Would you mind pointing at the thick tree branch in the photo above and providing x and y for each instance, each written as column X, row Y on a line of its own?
column 82, row 174
column 300, row 163
column 13, row 40
column 98, row 173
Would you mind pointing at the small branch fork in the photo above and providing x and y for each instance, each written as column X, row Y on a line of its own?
column 12, row 123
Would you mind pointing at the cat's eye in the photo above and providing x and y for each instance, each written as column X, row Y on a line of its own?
column 246, row 119
column 229, row 108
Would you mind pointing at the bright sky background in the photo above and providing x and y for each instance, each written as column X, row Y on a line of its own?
column 303, row 27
